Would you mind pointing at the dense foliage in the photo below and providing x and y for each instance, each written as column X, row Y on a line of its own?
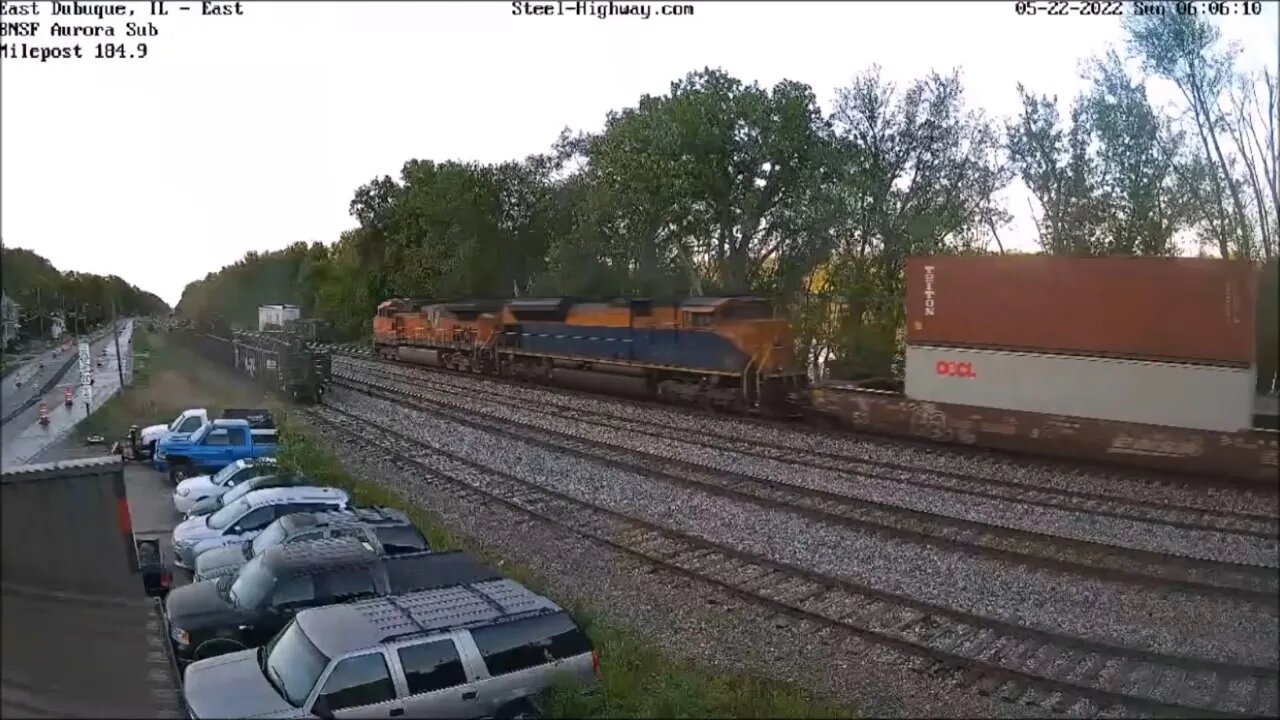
column 80, row 298
column 726, row 186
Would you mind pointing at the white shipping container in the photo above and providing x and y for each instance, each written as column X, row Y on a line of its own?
column 276, row 315
column 1200, row 397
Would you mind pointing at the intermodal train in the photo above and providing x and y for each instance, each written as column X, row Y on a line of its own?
column 1148, row 362
column 278, row 361
column 726, row 352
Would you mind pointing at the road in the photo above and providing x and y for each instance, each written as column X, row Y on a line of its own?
column 32, row 375
column 22, row 438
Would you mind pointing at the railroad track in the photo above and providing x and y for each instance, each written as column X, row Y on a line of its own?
column 1246, row 525
column 1261, row 525
column 1256, row 584
column 1149, row 478
column 1014, row 663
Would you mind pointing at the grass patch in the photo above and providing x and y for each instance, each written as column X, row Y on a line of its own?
column 637, row 681
column 164, row 384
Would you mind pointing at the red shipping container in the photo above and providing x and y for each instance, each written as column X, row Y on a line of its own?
column 1173, row 309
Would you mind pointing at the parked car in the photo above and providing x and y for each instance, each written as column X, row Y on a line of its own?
column 190, row 420
column 458, row 652
column 194, row 489
column 385, row 529
column 231, row 613
column 214, row 446
column 208, row 506
column 245, row 518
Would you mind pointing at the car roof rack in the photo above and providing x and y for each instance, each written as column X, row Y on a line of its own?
column 445, row 609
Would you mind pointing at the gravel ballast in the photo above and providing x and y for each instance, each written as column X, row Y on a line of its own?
column 1122, row 532
column 1172, row 623
column 1117, row 482
column 687, row 620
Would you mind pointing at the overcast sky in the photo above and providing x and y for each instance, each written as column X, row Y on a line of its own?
column 252, row 132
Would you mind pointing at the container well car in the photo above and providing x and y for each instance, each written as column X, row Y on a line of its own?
column 245, row 518
column 386, row 529
column 465, row 651
column 194, row 489
column 211, row 505
column 217, row 616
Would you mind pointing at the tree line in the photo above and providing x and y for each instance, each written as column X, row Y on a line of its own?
column 80, row 299
column 725, row 186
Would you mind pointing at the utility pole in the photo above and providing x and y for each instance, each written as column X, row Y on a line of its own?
column 40, row 312
column 115, row 330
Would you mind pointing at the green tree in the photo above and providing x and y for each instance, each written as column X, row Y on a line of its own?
column 1186, row 49
column 918, row 176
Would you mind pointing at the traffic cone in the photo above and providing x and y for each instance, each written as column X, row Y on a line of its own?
column 66, row 396
column 44, row 414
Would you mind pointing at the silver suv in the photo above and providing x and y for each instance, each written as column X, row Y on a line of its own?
column 243, row 519
column 385, row 528
column 464, row 651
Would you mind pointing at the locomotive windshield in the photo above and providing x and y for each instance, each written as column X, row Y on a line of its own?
column 747, row 310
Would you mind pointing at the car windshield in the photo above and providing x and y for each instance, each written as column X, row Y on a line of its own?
column 225, row 473
column 271, row 536
column 228, row 514
column 252, row 586
column 200, row 432
column 240, row 491
column 173, row 426
column 292, row 664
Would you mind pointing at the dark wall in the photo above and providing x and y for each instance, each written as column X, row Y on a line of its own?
column 1268, row 325
column 63, row 529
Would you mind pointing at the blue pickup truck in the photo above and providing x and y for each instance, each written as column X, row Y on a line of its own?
column 207, row 450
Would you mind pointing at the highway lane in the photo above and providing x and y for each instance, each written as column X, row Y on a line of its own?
column 24, row 382
column 22, row 438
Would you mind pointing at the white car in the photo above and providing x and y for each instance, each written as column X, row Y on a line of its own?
column 245, row 518
column 194, row 489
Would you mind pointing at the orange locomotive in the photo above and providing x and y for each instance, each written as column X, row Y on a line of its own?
column 724, row 351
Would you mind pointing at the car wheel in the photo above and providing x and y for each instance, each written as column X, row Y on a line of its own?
column 179, row 472
column 216, row 647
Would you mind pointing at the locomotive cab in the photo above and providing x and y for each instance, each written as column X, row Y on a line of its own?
column 772, row 380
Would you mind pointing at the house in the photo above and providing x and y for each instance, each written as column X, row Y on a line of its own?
column 10, row 322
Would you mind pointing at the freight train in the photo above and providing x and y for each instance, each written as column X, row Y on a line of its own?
column 725, row 352
column 277, row 361
column 1149, row 362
